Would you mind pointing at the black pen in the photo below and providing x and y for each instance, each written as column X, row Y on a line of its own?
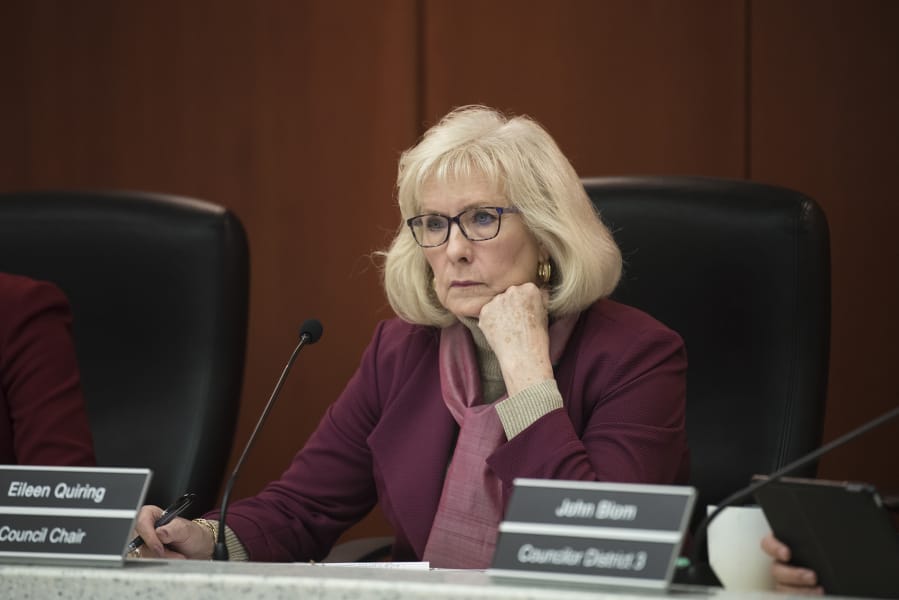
column 177, row 507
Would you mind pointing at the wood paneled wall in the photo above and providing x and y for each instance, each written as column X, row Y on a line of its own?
column 293, row 113
column 824, row 120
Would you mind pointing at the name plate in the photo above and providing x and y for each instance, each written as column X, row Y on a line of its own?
column 66, row 515
column 593, row 532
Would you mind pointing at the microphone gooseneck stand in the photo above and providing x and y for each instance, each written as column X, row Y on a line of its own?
column 310, row 332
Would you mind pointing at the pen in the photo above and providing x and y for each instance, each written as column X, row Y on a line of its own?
column 176, row 508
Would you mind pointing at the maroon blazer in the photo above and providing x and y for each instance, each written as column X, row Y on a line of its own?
column 389, row 437
column 42, row 415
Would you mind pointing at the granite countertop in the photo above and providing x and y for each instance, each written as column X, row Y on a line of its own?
column 273, row 581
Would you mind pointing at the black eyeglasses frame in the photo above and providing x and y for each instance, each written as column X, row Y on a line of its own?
column 500, row 210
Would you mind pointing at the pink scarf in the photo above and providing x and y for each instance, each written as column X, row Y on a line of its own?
column 463, row 535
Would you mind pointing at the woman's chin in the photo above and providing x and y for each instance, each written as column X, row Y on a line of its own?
column 469, row 310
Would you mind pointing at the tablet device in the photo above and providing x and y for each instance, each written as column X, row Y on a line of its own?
column 841, row 530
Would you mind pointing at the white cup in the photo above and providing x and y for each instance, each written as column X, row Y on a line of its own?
column 735, row 552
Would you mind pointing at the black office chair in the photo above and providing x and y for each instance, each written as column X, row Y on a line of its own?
column 742, row 271
column 158, row 286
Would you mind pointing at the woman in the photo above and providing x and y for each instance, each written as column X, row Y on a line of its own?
column 505, row 362
column 42, row 415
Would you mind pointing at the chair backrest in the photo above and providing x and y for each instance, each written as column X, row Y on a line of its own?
column 742, row 271
column 158, row 286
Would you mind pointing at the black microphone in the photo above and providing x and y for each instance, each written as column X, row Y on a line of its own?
column 310, row 332
column 700, row 572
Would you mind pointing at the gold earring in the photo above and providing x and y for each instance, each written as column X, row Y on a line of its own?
column 544, row 272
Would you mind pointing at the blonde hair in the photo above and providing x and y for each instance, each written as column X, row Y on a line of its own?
column 521, row 159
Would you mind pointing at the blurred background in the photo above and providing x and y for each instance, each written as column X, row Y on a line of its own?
column 293, row 113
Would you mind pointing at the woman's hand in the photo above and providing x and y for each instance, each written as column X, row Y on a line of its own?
column 787, row 578
column 515, row 324
column 179, row 539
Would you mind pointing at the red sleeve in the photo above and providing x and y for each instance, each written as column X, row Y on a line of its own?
column 634, row 432
column 40, row 388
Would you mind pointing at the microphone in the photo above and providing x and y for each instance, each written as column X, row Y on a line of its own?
column 310, row 332
column 700, row 572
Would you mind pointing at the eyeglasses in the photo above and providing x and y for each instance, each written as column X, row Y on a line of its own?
column 477, row 224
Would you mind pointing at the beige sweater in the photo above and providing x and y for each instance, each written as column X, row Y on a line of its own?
column 520, row 411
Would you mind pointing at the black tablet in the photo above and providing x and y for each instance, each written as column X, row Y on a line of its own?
column 839, row 529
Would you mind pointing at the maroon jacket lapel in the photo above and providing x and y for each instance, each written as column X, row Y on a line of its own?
column 411, row 447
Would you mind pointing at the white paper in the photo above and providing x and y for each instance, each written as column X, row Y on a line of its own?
column 381, row 565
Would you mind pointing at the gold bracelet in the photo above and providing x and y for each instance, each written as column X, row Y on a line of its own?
column 213, row 528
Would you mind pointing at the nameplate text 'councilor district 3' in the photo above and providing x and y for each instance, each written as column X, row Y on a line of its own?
column 584, row 532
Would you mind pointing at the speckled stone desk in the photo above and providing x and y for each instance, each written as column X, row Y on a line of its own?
column 249, row 581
